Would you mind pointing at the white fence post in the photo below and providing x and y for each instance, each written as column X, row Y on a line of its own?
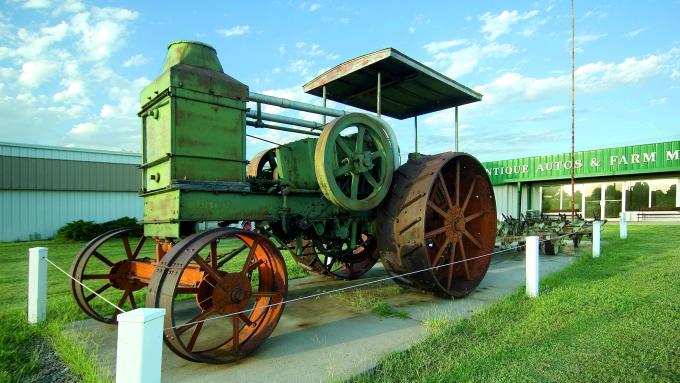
column 532, row 266
column 37, row 284
column 140, row 346
column 596, row 238
column 623, row 227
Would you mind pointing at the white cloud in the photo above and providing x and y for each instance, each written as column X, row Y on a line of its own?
column 300, row 66
column 586, row 38
column 34, row 73
column 437, row 46
column 74, row 93
column 500, row 24
column 83, row 129
column 463, row 61
column 135, row 61
column 417, row 21
column 235, row 31
column 102, row 31
column 591, row 77
column 658, row 101
column 314, row 7
column 635, row 33
column 37, row 4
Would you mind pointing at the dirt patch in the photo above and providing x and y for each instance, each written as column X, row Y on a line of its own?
column 52, row 368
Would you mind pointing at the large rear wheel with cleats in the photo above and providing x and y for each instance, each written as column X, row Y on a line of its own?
column 223, row 292
column 440, row 217
column 354, row 161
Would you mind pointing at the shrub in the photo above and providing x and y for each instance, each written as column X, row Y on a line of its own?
column 86, row 230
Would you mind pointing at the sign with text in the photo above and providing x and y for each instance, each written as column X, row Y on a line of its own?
column 636, row 159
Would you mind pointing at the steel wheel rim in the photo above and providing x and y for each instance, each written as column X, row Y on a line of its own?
column 117, row 276
column 192, row 342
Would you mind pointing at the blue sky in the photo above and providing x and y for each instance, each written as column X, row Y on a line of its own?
column 71, row 71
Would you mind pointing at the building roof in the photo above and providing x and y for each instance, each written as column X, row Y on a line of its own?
column 408, row 87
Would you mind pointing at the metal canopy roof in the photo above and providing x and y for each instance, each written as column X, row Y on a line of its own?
column 408, row 88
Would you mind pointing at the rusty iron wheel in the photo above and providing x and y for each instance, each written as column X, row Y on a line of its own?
column 324, row 258
column 441, row 209
column 104, row 271
column 210, row 275
column 263, row 165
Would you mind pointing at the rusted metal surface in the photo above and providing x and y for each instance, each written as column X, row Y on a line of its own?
column 441, row 209
column 258, row 281
column 325, row 259
column 408, row 88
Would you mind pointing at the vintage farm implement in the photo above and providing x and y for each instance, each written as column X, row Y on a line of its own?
column 552, row 230
column 340, row 200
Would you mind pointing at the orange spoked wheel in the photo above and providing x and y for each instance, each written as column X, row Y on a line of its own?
column 337, row 259
column 223, row 291
column 440, row 217
column 110, row 265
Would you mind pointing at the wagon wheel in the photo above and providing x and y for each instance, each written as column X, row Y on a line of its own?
column 354, row 161
column 330, row 259
column 235, row 280
column 263, row 165
column 104, row 266
column 577, row 239
column 441, row 210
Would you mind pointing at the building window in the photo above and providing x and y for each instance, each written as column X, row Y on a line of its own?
column 637, row 196
column 613, row 194
column 566, row 197
column 550, row 201
column 663, row 193
column 593, row 193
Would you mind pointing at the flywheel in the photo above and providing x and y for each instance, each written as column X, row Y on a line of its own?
column 354, row 161
column 440, row 217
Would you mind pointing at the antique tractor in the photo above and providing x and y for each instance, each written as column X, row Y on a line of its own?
column 338, row 200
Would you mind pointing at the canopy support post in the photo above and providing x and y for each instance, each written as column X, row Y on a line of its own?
column 324, row 103
column 456, row 113
column 415, row 123
column 378, row 95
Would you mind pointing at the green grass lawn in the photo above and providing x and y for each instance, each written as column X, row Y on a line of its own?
column 611, row 319
column 19, row 341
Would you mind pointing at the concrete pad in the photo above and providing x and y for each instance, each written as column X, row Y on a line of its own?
column 322, row 338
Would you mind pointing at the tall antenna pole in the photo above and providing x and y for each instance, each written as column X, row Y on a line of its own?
column 573, row 213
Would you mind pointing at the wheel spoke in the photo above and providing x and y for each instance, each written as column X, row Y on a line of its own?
column 121, row 302
column 440, row 252
column 376, row 154
column 251, row 255
column 246, row 320
column 451, row 265
column 436, row 208
column 193, row 322
column 343, row 145
column 465, row 261
column 472, row 239
column 194, row 336
column 98, row 291
column 360, row 139
column 138, row 248
column 467, row 198
column 434, row 232
column 213, row 255
column 126, row 244
column 202, row 263
column 371, row 180
column 254, row 265
column 341, row 171
column 265, row 294
column 133, row 302
column 236, row 328
column 98, row 276
column 354, row 189
column 445, row 189
column 229, row 256
column 458, row 183
column 473, row 216
column 102, row 258
column 186, row 290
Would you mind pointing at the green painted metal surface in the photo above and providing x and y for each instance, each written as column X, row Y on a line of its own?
column 296, row 164
column 627, row 160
